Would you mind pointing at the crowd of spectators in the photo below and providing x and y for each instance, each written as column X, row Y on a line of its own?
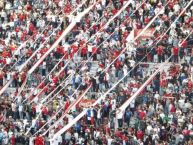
column 161, row 114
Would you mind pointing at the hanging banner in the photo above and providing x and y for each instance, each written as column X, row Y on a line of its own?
column 86, row 102
column 148, row 33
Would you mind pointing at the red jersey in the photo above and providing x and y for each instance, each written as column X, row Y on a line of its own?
column 190, row 84
column 55, row 80
column 74, row 49
column 159, row 50
column 186, row 132
column 139, row 134
column 12, row 140
column 45, row 111
column 114, row 11
column 118, row 134
column 171, row 5
column 163, row 83
column 67, row 9
column 67, row 104
column 173, row 109
column 146, row 20
column 175, row 50
column 84, row 50
column 39, row 140
column 142, row 115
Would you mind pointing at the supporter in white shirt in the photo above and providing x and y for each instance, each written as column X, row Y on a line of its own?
column 31, row 141
column 61, row 4
column 170, row 116
column 5, row 138
column 38, row 108
column 20, row 109
column 19, row 99
column 44, row 65
column 113, row 104
column 8, row 76
column 176, row 8
column 149, row 129
column 181, row 120
column 99, row 114
column 96, row 134
column 132, row 104
column 109, row 141
column 76, row 136
column 56, row 140
column 33, row 123
column 157, row 96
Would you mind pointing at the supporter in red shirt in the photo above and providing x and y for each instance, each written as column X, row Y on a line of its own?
column 39, row 140
column 146, row 20
column 17, row 30
column 84, row 52
column 29, row 7
column 45, row 111
column 186, row 132
column 33, row 108
column 142, row 115
column 94, row 53
column 175, row 54
column 118, row 134
column 139, row 134
column 190, row 84
column 74, row 49
column 114, row 11
column 116, row 53
column 163, row 83
column 117, row 64
column 171, row 5
column 67, row 104
column 173, row 109
column 12, row 140
column 160, row 53
column 55, row 80
column 25, row 26
column 67, row 9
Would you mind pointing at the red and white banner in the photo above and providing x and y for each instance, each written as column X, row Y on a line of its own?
column 148, row 33
column 86, row 102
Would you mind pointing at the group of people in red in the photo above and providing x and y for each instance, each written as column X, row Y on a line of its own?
column 34, row 108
